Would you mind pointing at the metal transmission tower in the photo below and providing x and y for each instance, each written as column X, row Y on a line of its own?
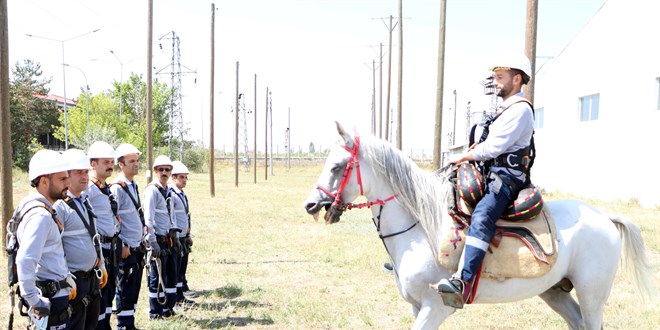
column 175, row 136
column 242, row 119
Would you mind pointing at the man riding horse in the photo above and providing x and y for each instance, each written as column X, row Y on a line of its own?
column 506, row 150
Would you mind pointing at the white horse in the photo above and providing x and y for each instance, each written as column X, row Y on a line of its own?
column 408, row 207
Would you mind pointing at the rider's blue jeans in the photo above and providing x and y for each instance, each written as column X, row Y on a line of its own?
column 501, row 189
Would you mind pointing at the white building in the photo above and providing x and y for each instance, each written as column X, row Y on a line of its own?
column 598, row 108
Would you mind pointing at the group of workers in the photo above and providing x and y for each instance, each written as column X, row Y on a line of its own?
column 83, row 243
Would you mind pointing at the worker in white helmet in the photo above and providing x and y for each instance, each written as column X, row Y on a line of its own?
column 102, row 159
column 506, row 153
column 40, row 263
column 162, row 239
column 181, row 214
column 82, row 244
column 129, row 208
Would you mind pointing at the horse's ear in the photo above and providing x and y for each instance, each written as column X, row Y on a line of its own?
column 348, row 139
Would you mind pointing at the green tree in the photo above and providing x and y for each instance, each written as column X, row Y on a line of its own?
column 30, row 114
column 107, row 125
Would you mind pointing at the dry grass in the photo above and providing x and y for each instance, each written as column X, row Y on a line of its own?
column 260, row 262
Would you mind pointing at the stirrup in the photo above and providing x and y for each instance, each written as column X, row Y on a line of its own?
column 452, row 291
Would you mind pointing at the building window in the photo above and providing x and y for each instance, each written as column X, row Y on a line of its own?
column 657, row 93
column 589, row 107
column 538, row 117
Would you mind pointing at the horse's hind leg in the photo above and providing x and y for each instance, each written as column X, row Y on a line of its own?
column 563, row 303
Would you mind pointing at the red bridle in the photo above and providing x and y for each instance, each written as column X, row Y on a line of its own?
column 353, row 162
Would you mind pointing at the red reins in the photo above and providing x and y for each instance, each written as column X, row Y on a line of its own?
column 353, row 162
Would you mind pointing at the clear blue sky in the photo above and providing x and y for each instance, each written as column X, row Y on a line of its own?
column 312, row 54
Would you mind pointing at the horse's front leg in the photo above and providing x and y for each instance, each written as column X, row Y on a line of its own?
column 432, row 312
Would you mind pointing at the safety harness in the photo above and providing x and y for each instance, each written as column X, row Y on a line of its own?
column 105, row 189
column 48, row 288
column 521, row 160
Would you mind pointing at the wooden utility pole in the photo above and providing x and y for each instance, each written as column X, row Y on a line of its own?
column 266, row 138
column 380, row 95
column 255, row 128
column 6, row 193
column 389, row 81
column 530, row 44
column 236, row 131
column 440, row 86
column 399, row 129
column 150, row 36
column 211, row 102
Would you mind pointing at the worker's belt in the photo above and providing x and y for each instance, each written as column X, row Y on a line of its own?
column 50, row 288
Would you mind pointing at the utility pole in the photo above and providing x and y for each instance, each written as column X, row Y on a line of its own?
column 266, row 137
column 399, row 130
column 530, row 45
column 373, row 97
column 288, row 141
column 211, row 102
column 390, row 29
column 380, row 95
column 440, row 86
column 150, row 36
column 236, row 110
column 270, row 107
column 255, row 128
column 6, row 193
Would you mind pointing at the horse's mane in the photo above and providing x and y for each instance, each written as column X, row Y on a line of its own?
column 419, row 192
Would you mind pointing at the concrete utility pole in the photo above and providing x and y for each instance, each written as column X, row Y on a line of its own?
column 399, row 130
column 236, row 110
column 270, row 107
column 380, row 95
column 373, row 97
column 390, row 29
column 440, row 86
column 255, row 128
column 6, row 193
column 530, row 44
column 211, row 102
column 266, row 137
column 288, row 141
column 150, row 36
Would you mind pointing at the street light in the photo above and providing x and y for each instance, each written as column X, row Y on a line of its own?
column 87, row 88
column 121, row 78
column 66, row 125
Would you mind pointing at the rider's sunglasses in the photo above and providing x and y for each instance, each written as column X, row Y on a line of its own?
column 163, row 169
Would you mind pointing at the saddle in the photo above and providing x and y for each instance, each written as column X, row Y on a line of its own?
column 525, row 242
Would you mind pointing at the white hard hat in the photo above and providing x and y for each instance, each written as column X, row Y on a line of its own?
column 520, row 62
column 100, row 149
column 46, row 162
column 77, row 159
column 179, row 168
column 162, row 160
column 125, row 149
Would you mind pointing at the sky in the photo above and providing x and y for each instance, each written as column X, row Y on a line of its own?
column 315, row 56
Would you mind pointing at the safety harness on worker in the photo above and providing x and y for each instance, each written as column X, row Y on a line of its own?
column 48, row 288
column 105, row 189
column 96, row 240
column 521, row 160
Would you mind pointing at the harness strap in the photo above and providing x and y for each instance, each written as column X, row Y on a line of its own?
column 136, row 203
column 91, row 229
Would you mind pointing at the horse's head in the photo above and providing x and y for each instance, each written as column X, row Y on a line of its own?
column 338, row 184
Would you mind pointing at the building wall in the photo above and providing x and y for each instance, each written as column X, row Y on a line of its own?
column 613, row 157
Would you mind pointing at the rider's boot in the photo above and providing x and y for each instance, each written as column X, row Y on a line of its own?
column 454, row 291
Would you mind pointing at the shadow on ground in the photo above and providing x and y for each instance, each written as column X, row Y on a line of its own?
column 231, row 321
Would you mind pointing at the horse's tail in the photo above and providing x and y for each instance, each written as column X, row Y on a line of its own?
column 634, row 256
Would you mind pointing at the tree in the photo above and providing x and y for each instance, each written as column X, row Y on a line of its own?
column 107, row 125
column 30, row 115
